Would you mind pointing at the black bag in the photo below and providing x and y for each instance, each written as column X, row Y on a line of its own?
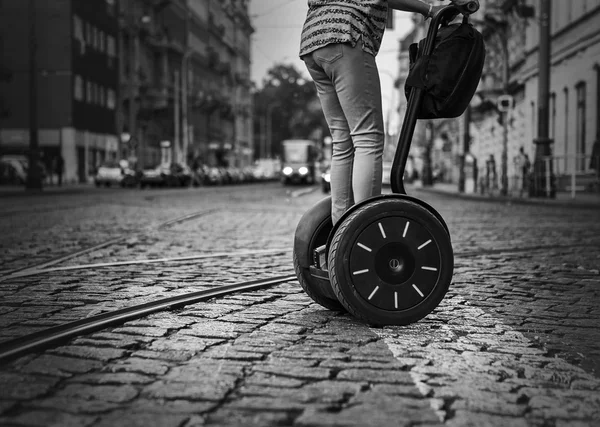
column 451, row 74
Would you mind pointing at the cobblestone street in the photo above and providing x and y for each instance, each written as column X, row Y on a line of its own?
column 515, row 342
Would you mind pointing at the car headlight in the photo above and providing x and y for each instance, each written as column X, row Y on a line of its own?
column 287, row 170
column 303, row 170
column 327, row 177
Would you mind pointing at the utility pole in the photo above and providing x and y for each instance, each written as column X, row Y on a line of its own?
column 132, row 86
column 505, row 114
column 184, row 86
column 465, row 149
column 34, row 177
column 263, row 138
column 269, row 142
column 176, row 116
column 543, row 185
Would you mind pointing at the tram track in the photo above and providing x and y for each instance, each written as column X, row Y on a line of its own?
column 25, row 270
column 53, row 336
column 38, row 271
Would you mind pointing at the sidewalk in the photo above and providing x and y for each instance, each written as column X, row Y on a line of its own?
column 20, row 190
column 581, row 200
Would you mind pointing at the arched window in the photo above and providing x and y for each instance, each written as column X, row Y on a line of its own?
column 580, row 125
column 597, row 68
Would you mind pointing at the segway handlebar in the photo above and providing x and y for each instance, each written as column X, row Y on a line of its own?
column 466, row 7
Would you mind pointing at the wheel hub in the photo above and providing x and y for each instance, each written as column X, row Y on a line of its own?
column 394, row 263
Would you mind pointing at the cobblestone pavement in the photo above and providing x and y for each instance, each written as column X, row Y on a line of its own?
column 514, row 343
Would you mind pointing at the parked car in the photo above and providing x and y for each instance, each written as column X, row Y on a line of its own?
column 14, row 169
column 165, row 175
column 154, row 176
column 180, row 175
column 117, row 173
column 214, row 176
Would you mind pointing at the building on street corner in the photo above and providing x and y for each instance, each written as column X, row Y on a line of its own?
column 146, row 80
column 77, row 81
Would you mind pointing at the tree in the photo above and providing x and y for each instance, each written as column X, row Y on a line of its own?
column 291, row 104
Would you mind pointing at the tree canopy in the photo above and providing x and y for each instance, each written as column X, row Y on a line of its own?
column 292, row 103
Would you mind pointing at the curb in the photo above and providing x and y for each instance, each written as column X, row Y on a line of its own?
column 46, row 191
column 513, row 200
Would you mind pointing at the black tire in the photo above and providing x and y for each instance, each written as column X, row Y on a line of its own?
column 312, row 231
column 385, row 272
column 306, row 281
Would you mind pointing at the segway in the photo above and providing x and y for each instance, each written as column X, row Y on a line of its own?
column 389, row 259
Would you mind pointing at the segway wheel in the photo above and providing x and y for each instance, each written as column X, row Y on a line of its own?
column 312, row 231
column 390, row 262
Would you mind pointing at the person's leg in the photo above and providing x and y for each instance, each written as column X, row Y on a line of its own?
column 356, row 81
column 342, row 148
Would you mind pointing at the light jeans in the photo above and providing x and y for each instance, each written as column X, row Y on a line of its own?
column 348, row 87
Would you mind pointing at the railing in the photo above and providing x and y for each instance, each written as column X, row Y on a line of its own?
column 571, row 174
column 561, row 175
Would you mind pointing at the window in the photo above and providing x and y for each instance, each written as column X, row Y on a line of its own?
column 78, row 28
column 95, row 37
column 95, row 93
column 533, row 120
column 78, row 33
column 597, row 67
column 110, row 7
column 553, row 116
column 110, row 99
column 101, row 96
column 566, row 136
column 78, row 88
column 101, row 43
column 88, row 33
column 89, row 92
column 111, row 50
column 580, row 125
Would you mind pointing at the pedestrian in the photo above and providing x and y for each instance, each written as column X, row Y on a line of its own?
column 493, row 173
column 59, row 169
column 339, row 42
column 595, row 160
column 524, row 164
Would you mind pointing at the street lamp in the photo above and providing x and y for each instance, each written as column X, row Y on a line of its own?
column 34, row 176
column 542, row 169
column 269, row 136
column 184, row 105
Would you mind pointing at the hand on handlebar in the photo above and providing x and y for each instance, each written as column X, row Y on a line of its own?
column 466, row 7
column 435, row 10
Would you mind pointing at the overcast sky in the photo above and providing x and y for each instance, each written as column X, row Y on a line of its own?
column 278, row 24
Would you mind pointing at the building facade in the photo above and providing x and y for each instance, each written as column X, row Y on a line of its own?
column 189, row 96
column 74, row 48
column 511, row 30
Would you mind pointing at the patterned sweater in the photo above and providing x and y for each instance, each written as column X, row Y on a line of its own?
column 344, row 21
